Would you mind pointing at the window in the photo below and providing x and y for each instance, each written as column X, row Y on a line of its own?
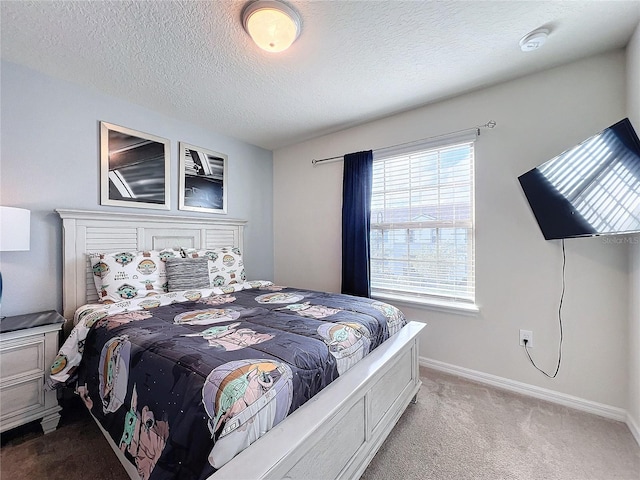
column 422, row 231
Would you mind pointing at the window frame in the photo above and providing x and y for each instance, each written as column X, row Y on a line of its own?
column 449, row 301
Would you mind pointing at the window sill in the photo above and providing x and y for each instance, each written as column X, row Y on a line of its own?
column 428, row 304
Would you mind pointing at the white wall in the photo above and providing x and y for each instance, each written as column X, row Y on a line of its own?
column 518, row 272
column 633, row 110
column 50, row 159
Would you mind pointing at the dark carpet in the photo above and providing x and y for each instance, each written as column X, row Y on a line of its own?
column 75, row 450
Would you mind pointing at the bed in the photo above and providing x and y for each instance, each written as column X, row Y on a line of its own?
column 343, row 419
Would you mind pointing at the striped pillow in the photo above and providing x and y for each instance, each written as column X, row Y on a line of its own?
column 188, row 273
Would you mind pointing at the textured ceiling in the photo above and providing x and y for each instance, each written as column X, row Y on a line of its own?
column 355, row 61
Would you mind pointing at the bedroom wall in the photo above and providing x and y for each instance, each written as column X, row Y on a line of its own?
column 50, row 159
column 633, row 109
column 518, row 272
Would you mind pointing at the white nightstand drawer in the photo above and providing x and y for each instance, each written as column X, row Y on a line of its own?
column 28, row 346
column 20, row 359
column 22, row 397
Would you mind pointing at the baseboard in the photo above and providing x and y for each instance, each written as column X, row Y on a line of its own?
column 577, row 403
column 633, row 426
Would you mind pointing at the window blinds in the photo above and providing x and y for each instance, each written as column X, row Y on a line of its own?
column 422, row 225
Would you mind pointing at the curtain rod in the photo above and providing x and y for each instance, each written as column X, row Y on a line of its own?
column 489, row 124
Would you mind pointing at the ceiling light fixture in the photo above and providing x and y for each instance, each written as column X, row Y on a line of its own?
column 534, row 40
column 273, row 25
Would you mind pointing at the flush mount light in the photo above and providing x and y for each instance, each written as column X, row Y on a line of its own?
column 273, row 25
column 534, row 40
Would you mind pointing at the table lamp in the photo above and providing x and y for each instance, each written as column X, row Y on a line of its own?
column 15, row 232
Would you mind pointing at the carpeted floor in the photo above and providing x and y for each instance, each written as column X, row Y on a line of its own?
column 458, row 430
column 76, row 450
column 465, row 430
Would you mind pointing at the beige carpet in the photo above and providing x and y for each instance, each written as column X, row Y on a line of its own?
column 465, row 430
column 458, row 430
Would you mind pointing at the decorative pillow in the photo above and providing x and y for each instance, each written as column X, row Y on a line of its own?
column 188, row 273
column 126, row 275
column 227, row 266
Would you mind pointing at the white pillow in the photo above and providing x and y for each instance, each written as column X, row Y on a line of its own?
column 125, row 275
column 226, row 266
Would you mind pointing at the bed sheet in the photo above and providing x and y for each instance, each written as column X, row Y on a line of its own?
column 182, row 382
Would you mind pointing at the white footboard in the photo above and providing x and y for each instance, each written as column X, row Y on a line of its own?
column 337, row 433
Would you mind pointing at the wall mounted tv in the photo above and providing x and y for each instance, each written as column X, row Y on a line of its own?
column 591, row 189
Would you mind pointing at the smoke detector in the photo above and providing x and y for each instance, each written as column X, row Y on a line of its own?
column 534, row 40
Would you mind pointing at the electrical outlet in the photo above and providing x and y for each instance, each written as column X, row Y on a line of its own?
column 528, row 336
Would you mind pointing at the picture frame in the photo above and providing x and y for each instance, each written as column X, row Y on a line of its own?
column 203, row 180
column 134, row 168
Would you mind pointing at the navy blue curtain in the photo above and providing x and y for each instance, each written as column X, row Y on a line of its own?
column 356, row 222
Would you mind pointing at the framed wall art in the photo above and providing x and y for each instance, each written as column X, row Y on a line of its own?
column 203, row 175
column 134, row 168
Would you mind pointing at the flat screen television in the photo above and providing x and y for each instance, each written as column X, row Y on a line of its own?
column 591, row 189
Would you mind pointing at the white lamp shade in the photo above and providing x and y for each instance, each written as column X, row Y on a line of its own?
column 272, row 25
column 15, row 229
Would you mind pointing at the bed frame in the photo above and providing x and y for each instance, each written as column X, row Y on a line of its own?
column 337, row 432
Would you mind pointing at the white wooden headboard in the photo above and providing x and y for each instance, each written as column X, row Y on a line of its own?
column 93, row 232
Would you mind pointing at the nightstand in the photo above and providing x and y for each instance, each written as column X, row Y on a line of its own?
column 28, row 346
